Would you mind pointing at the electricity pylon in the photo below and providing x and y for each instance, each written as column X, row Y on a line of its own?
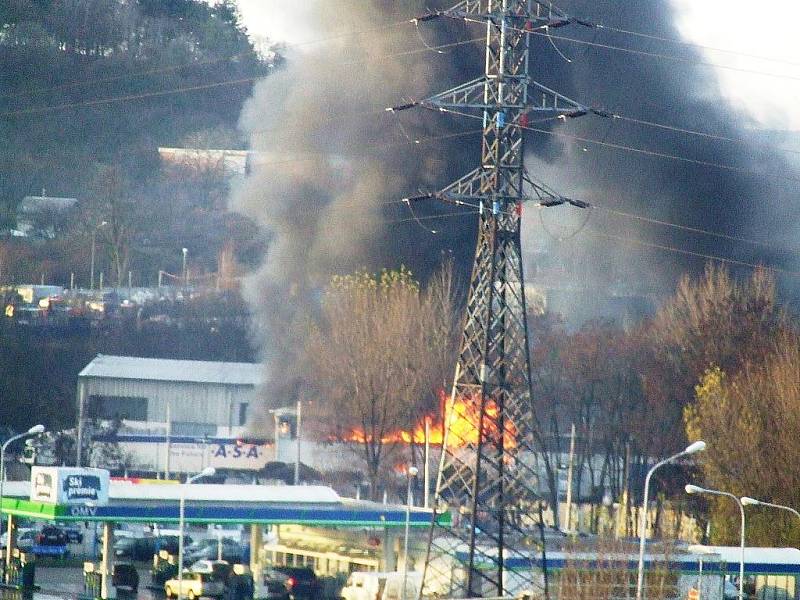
column 486, row 480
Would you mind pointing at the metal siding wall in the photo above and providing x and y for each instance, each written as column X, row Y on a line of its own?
column 190, row 402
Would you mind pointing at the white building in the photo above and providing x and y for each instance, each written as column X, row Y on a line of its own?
column 196, row 408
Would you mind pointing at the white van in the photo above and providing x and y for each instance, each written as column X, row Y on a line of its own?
column 363, row 585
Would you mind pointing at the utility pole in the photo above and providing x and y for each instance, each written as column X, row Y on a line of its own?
column 485, row 471
column 568, row 518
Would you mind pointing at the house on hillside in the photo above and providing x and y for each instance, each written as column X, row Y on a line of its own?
column 44, row 216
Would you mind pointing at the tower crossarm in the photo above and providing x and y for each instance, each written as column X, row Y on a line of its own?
column 542, row 16
column 520, row 95
column 476, row 187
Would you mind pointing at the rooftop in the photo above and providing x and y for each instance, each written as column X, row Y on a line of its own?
column 215, row 503
column 159, row 369
column 42, row 203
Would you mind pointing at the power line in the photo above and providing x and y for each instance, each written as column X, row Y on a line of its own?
column 663, row 247
column 412, row 142
column 663, row 223
column 166, row 69
column 696, row 45
column 659, row 55
column 667, row 56
column 129, row 97
column 124, row 76
column 180, row 90
column 703, row 134
column 722, row 259
column 635, row 150
column 697, row 230
column 348, row 34
column 430, row 217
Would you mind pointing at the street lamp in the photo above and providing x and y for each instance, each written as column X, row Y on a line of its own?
column 207, row 472
column 185, row 251
column 35, row 430
column 694, row 489
column 693, row 448
column 297, row 420
column 94, row 236
column 410, row 474
column 753, row 502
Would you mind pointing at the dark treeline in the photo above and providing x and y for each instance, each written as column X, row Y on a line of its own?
column 60, row 60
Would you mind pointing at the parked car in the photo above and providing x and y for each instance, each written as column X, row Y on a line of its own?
column 362, row 585
column 208, row 549
column 193, row 585
column 50, row 535
column 26, row 540
column 143, row 548
column 125, row 575
column 220, row 570
column 26, row 535
column 134, row 548
column 303, row 583
column 74, row 535
column 275, row 585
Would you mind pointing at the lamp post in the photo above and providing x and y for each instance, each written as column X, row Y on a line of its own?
column 694, row 489
column 207, row 472
column 411, row 473
column 35, row 430
column 94, row 236
column 693, row 448
column 185, row 251
column 746, row 501
column 297, row 435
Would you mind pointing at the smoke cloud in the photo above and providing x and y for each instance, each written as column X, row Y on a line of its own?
column 333, row 164
column 567, row 254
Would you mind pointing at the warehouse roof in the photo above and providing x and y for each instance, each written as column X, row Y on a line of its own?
column 159, row 369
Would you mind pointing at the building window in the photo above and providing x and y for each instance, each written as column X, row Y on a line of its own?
column 198, row 430
column 107, row 408
column 243, row 413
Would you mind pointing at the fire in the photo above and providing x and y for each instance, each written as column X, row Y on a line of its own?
column 463, row 423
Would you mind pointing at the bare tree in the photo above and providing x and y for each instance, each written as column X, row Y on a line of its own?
column 716, row 320
column 378, row 356
column 112, row 203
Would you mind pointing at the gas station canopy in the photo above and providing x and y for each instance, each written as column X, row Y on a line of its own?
column 219, row 504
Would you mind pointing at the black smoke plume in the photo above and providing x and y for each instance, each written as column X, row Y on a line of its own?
column 333, row 164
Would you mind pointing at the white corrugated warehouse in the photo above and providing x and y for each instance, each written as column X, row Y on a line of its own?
column 203, row 397
column 196, row 398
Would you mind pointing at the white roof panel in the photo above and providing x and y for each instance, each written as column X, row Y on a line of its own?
column 774, row 556
column 291, row 494
column 160, row 369
column 203, row 492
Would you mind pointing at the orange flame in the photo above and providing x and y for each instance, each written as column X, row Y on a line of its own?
column 463, row 420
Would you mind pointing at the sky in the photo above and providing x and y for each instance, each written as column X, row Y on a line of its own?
column 265, row 18
column 766, row 29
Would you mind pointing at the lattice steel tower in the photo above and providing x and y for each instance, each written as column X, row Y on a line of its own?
column 486, row 480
